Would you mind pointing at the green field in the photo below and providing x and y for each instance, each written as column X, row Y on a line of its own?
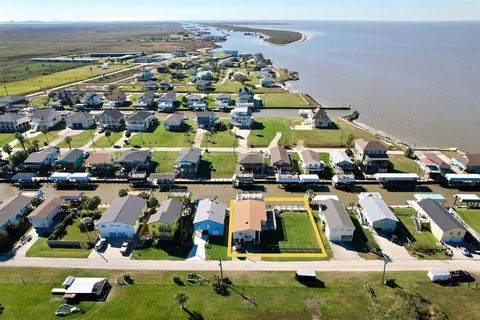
column 424, row 244
column 42, row 139
column 6, row 138
column 264, row 130
column 287, row 100
column 218, row 165
column 163, row 138
column 222, row 137
column 403, row 164
column 80, row 139
column 471, row 217
column 107, row 142
column 41, row 249
column 26, row 294
column 164, row 160
column 41, row 83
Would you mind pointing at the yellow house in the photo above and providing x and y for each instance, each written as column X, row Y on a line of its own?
column 444, row 226
column 164, row 222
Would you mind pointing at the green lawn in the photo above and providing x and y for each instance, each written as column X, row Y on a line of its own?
column 80, row 139
column 164, row 161
column 41, row 249
column 160, row 137
column 424, row 244
column 161, row 252
column 217, row 247
column 296, row 161
column 222, row 137
column 403, row 164
column 6, row 138
column 51, row 135
column 264, row 130
column 104, row 142
column 471, row 217
column 73, row 232
column 287, row 100
column 361, row 239
column 218, row 165
column 26, row 294
column 58, row 78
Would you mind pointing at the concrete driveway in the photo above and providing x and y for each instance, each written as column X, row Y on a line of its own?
column 393, row 250
column 112, row 251
column 344, row 251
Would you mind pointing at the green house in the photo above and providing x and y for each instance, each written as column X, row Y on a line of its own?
column 164, row 222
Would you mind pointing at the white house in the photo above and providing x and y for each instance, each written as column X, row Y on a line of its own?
column 267, row 82
column 241, row 117
column 319, row 118
column 41, row 159
column 12, row 122
column 377, row 214
column 340, row 159
column 139, row 121
column 46, row 117
column 311, row 162
column 80, row 120
column 166, row 101
column 338, row 225
column 43, row 216
column 110, row 119
column 13, row 209
column 120, row 220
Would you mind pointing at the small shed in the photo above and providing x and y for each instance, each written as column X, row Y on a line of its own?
column 438, row 275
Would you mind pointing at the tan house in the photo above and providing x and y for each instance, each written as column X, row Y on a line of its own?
column 43, row 216
column 249, row 219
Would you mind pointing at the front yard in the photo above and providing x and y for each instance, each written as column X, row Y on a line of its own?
column 164, row 160
column 159, row 137
column 79, row 139
column 220, row 138
column 403, row 164
column 218, row 165
column 41, row 249
column 471, row 217
column 108, row 142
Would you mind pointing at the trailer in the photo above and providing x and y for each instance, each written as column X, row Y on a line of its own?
column 309, row 178
column 438, row 275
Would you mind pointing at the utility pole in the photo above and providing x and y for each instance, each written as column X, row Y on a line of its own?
column 221, row 269
column 386, row 260
column 93, row 143
column 5, row 87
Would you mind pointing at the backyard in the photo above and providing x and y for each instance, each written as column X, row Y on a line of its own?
column 159, row 137
column 26, row 294
column 218, row 165
column 424, row 245
column 164, row 160
column 284, row 100
column 222, row 137
column 403, row 164
column 471, row 217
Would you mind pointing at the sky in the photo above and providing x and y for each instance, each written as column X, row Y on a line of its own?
column 154, row 10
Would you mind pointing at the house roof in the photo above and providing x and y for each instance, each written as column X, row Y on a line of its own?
column 12, row 99
column 194, row 97
column 468, row 159
column 376, row 209
column 309, row 156
column 147, row 95
column 339, row 156
column 117, row 95
column 203, row 83
column 89, row 95
column 189, row 154
column 112, row 113
column 11, row 117
column 436, row 160
column 250, row 158
column 244, row 90
column 12, row 205
column 46, row 207
column 204, row 114
column 141, row 115
column 169, row 95
column 71, row 155
column 319, row 114
column 279, row 153
column 176, row 116
column 133, row 155
column 39, row 156
column 79, row 116
column 125, row 210
column 210, row 210
column 370, row 145
column 223, row 96
column 98, row 157
column 169, row 212
column 442, row 218
column 248, row 215
column 335, row 214
column 43, row 113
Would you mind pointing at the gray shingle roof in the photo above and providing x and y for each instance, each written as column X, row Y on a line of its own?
column 39, row 156
column 12, row 205
column 43, row 113
column 79, row 116
column 12, row 99
column 309, row 156
column 442, row 218
column 71, row 155
column 133, row 155
column 339, row 156
column 335, row 214
column 139, row 116
column 371, row 145
column 113, row 113
column 11, row 117
column 125, row 210
column 190, row 154
column 376, row 209
column 250, row 158
column 169, row 212
column 211, row 210
column 279, row 153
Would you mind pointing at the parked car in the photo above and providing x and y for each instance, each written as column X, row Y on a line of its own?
column 116, row 146
column 100, row 243
column 124, row 247
column 465, row 251
column 101, row 129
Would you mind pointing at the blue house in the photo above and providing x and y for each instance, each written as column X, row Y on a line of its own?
column 71, row 160
column 210, row 217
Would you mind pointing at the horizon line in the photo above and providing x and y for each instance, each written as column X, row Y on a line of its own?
column 240, row 20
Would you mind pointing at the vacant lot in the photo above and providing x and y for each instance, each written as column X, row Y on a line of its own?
column 403, row 164
column 165, row 251
column 222, row 137
column 471, row 217
column 160, row 137
column 41, row 249
column 80, row 139
column 287, row 100
column 218, row 165
column 26, row 294
column 164, row 160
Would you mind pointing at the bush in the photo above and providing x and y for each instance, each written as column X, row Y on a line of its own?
column 3, row 239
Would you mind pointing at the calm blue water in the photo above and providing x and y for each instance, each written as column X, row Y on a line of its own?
column 419, row 82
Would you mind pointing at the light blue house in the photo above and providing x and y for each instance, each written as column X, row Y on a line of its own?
column 210, row 217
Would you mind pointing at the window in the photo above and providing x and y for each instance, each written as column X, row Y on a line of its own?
column 103, row 226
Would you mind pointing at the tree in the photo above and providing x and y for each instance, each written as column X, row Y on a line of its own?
column 108, row 133
column 122, row 193
column 128, row 134
column 350, row 140
column 17, row 158
column 36, row 201
column 181, row 299
column 122, row 124
column 144, row 195
column 34, row 145
column 3, row 239
column 7, row 149
column 44, row 130
column 68, row 140
column 94, row 202
column 21, row 138
column 152, row 202
column 409, row 153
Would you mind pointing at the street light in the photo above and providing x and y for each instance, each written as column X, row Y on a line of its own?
column 386, row 260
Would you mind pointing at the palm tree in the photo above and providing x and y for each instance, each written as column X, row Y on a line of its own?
column 21, row 138
column 44, row 130
column 68, row 140
column 350, row 139
column 108, row 133
column 7, row 149
column 181, row 299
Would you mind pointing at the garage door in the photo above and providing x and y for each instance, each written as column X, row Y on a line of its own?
column 113, row 235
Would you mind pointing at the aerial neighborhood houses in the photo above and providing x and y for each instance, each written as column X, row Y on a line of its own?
column 187, row 163
column 13, row 209
column 468, row 162
column 174, row 122
column 43, row 217
column 338, row 225
column 80, row 120
column 110, row 119
column 241, row 117
column 46, row 117
column 14, row 122
column 311, row 162
column 165, row 221
column 210, row 217
column 41, row 160
column 139, row 120
column 250, row 220
column 372, row 156
column 376, row 214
